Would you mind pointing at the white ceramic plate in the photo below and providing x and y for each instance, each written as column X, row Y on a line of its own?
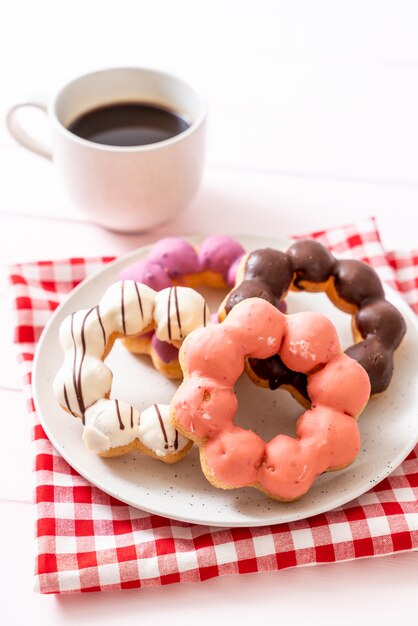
column 389, row 424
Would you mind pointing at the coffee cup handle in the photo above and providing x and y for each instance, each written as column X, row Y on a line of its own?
column 21, row 135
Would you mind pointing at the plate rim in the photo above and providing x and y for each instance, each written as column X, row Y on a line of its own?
column 125, row 259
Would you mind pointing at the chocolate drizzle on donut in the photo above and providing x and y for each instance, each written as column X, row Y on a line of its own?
column 67, row 402
column 74, row 369
column 176, row 301
column 176, row 304
column 352, row 285
column 160, row 419
column 168, row 314
column 121, row 424
column 122, row 303
column 139, row 299
column 101, row 323
column 76, row 373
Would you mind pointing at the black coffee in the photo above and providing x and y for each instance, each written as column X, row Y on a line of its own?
column 128, row 124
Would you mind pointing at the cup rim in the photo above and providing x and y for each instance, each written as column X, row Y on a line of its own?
column 194, row 126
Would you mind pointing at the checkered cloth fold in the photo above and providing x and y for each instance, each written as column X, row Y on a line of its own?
column 89, row 541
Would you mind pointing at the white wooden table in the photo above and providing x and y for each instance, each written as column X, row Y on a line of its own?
column 313, row 122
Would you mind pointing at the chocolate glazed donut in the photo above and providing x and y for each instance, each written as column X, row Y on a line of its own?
column 353, row 286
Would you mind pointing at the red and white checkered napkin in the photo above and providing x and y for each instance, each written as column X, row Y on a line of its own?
column 88, row 541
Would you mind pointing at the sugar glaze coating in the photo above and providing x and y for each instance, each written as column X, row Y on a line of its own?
column 353, row 286
column 204, row 406
column 83, row 383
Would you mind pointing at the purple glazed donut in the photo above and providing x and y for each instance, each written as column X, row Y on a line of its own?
column 175, row 261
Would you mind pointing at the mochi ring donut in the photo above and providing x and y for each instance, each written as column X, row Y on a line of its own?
column 173, row 261
column 353, row 286
column 83, row 383
column 204, row 406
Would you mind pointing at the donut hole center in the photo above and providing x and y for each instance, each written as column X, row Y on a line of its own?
column 319, row 302
column 136, row 381
column 268, row 413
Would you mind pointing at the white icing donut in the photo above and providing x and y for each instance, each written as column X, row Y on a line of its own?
column 113, row 427
column 83, row 383
column 156, row 432
column 109, row 424
column 126, row 309
column 178, row 311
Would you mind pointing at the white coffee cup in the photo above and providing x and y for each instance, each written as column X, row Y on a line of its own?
column 131, row 188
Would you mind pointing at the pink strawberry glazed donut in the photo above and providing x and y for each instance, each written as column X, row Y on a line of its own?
column 204, row 406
